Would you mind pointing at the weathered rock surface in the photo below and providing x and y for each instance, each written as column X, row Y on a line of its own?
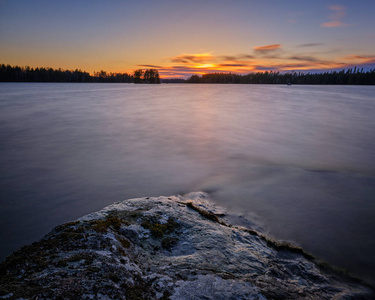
column 167, row 248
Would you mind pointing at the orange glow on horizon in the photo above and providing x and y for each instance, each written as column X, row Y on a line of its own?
column 264, row 58
column 205, row 66
column 272, row 57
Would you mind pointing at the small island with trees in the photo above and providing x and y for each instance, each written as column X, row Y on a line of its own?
column 354, row 76
column 149, row 76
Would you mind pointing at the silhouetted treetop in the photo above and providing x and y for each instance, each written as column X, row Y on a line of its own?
column 149, row 76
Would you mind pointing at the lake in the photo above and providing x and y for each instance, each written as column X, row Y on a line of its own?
column 298, row 160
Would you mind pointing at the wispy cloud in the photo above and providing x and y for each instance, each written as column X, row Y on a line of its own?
column 307, row 66
column 361, row 59
column 150, row 66
column 267, row 49
column 337, row 13
column 236, row 57
column 233, row 65
column 304, row 58
column 308, row 45
column 192, row 58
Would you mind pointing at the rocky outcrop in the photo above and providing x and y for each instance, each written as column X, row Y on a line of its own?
column 177, row 247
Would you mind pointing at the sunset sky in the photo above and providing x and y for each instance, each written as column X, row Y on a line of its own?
column 181, row 38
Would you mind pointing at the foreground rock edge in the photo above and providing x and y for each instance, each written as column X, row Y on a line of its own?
column 176, row 247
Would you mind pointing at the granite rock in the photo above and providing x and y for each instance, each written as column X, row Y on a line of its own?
column 177, row 247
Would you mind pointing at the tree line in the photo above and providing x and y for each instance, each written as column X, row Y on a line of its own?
column 27, row 74
column 350, row 76
column 354, row 76
column 148, row 76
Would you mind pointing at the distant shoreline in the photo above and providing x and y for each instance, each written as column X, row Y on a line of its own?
column 188, row 83
column 344, row 77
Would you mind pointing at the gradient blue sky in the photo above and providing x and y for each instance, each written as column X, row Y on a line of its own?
column 181, row 38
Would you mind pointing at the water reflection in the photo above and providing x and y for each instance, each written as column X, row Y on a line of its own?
column 301, row 158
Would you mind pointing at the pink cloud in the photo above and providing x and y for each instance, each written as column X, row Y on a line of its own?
column 338, row 12
column 194, row 58
column 333, row 24
column 267, row 48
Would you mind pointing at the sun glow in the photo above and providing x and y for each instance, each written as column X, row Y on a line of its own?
column 206, row 66
column 275, row 57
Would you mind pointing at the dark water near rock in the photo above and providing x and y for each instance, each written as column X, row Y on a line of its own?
column 301, row 158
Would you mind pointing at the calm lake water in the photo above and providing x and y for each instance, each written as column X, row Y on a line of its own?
column 299, row 158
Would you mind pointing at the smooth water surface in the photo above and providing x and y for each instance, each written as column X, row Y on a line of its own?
column 301, row 158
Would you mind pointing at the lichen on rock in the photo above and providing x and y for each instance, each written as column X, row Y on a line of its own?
column 177, row 247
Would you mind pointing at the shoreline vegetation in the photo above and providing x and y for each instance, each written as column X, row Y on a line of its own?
column 354, row 76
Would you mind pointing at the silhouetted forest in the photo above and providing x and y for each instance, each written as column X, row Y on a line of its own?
column 27, row 74
column 350, row 76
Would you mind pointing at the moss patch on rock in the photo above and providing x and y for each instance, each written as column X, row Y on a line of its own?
column 158, row 229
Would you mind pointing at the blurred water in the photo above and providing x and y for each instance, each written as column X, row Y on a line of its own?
column 302, row 158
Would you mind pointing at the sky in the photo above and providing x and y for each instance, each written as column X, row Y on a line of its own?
column 181, row 38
